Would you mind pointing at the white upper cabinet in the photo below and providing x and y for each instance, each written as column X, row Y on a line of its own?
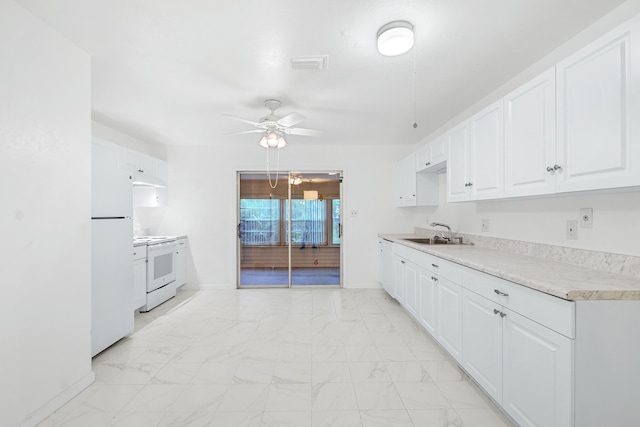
column 598, row 100
column 475, row 168
column 530, row 138
column 406, row 181
column 431, row 154
column 423, row 157
column 458, row 164
column 487, row 153
column 415, row 189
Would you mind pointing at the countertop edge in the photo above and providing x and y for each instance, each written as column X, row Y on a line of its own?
column 538, row 284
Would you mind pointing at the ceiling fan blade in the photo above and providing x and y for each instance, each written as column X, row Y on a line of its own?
column 304, row 132
column 245, row 131
column 290, row 119
column 241, row 119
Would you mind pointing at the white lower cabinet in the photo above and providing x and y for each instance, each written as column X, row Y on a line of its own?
column 406, row 284
column 139, row 276
column 449, row 317
column 537, row 373
column 428, row 299
column 548, row 362
column 181, row 262
column 482, row 322
column 398, row 278
column 411, row 287
column 385, row 266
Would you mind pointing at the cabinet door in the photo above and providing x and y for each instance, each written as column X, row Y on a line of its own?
column 139, row 283
column 486, row 160
column 409, row 180
column 181, row 267
column 423, row 157
column 482, row 342
column 449, row 315
column 398, row 280
column 530, row 137
column 406, row 182
column 458, row 164
column 411, row 288
column 427, row 291
column 598, row 110
column 537, row 373
column 129, row 160
column 385, row 267
column 438, row 150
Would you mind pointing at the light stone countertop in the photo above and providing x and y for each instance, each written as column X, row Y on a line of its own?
column 558, row 279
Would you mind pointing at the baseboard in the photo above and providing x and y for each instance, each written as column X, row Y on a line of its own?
column 57, row 402
column 207, row 287
column 365, row 285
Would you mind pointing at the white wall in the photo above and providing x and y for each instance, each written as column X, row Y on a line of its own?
column 616, row 219
column 110, row 134
column 203, row 203
column 45, row 156
column 616, row 222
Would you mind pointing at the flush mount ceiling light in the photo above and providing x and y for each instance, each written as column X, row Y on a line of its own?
column 395, row 38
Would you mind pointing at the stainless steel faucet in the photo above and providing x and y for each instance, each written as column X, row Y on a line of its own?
column 439, row 224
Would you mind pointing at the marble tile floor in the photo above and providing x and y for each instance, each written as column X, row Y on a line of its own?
column 278, row 357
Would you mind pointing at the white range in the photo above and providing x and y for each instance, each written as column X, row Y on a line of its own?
column 161, row 268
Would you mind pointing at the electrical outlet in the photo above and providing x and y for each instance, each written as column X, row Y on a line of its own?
column 484, row 225
column 586, row 218
column 572, row 229
column 354, row 213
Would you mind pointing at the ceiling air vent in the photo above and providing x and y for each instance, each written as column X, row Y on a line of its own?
column 310, row 62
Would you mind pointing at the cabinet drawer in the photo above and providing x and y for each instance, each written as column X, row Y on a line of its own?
column 139, row 252
column 554, row 313
column 446, row 269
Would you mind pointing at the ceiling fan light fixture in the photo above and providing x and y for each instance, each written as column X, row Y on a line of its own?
column 272, row 139
column 395, row 38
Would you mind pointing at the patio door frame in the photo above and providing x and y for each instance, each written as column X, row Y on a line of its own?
column 289, row 245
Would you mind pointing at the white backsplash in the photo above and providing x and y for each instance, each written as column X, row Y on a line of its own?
column 603, row 261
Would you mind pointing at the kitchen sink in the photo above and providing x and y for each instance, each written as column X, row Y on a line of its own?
column 434, row 241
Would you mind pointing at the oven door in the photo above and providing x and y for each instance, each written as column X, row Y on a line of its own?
column 161, row 265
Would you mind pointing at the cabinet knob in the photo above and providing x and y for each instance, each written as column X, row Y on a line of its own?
column 468, row 184
column 502, row 294
column 427, row 164
column 435, row 279
column 549, row 169
column 557, row 168
column 496, row 311
column 140, row 170
column 435, row 265
column 402, row 262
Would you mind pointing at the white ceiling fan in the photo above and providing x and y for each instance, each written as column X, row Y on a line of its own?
column 274, row 127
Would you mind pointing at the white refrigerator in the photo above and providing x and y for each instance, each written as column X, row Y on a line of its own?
column 111, row 249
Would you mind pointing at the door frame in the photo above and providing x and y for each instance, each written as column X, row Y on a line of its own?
column 288, row 173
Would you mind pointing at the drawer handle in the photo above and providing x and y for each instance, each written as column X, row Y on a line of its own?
column 435, row 279
column 496, row 311
column 435, row 265
column 502, row 294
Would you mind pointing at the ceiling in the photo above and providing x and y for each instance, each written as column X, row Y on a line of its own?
column 166, row 71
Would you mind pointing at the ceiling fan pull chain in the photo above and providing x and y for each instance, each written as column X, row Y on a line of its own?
column 273, row 186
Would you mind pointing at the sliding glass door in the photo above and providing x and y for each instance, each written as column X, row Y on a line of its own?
column 289, row 233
